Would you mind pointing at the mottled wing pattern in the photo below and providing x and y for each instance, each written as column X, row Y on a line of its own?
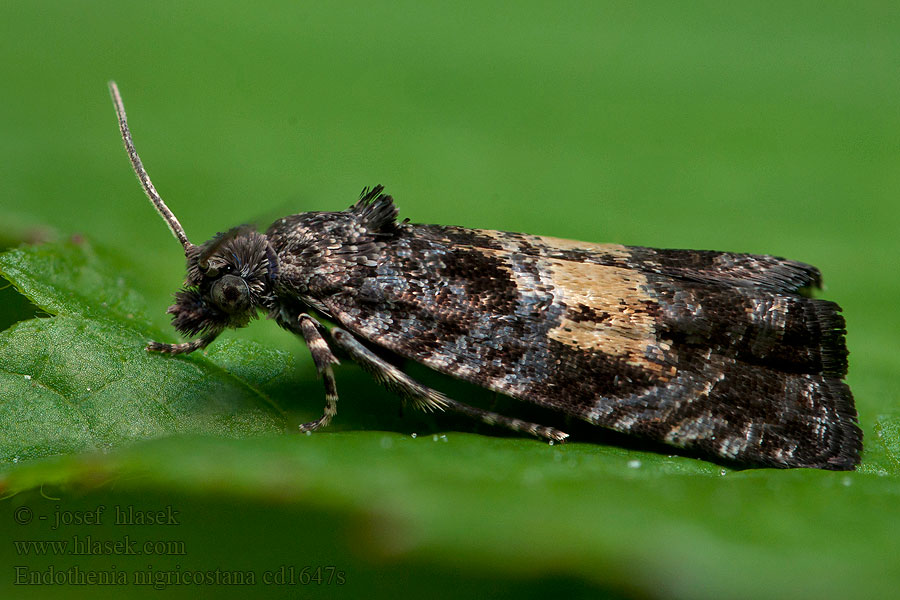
column 706, row 350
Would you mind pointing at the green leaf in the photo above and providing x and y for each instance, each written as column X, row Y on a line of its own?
column 636, row 521
column 81, row 380
column 73, row 278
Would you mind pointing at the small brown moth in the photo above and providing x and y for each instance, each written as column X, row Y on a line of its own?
column 719, row 352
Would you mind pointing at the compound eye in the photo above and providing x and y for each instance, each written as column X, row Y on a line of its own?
column 231, row 293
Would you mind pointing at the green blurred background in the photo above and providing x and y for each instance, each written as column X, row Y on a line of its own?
column 767, row 127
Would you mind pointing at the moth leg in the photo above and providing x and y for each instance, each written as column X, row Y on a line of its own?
column 426, row 398
column 307, row 328
column 184, row 348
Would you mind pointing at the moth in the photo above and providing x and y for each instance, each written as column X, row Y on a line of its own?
column 721, row 353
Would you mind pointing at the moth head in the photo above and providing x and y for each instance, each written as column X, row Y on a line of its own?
column 228, row 278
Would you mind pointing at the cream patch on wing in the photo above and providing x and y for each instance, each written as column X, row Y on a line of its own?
column 553, row 243
column 606, row 311
column 616, row 250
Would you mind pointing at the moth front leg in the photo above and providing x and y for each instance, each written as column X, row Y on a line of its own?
column 183, row 348
column 426, row 398
column 307, row 328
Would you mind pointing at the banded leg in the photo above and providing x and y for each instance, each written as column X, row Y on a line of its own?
column 307, row 328
column 428, row 399
column 183, row 348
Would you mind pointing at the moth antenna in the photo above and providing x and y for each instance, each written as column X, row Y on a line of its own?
column 161, row 208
